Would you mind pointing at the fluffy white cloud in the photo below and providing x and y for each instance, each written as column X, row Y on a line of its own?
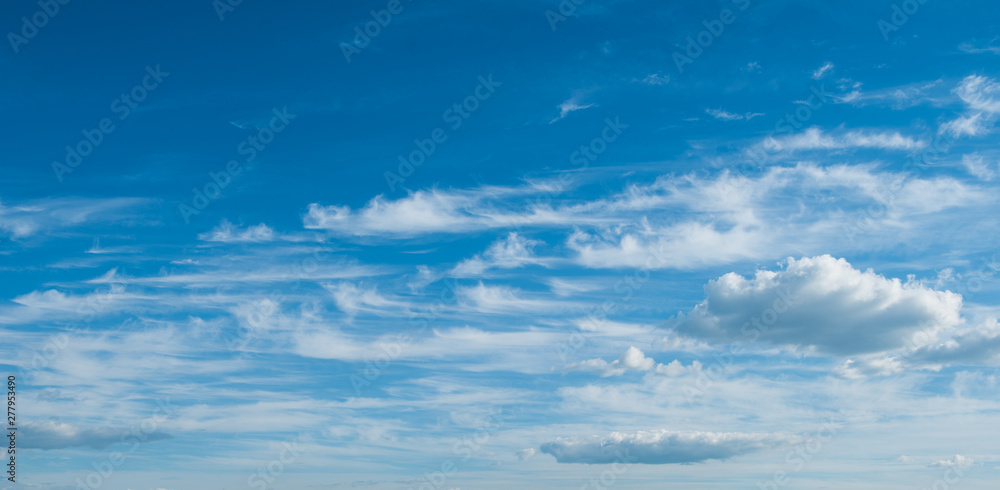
column 436, row 211
column 822, row 303
column 979, row 344
column 661, row 447
column 632, row 360
column 228, row 233
column 877, row 365
column 958, row 460
column 686, row 245
column 683, row 221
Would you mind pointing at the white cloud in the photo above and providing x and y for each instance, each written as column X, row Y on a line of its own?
column 816, row 139
column 525, row 454
column 974, row 384
column 503, row 299
column 568, row 287
column 977, row 167
column 509, row 253
column 695, row 219
column 436, row 211
column 661, row 447
column 867, row 366
column 58, row 435
column 632, row 360
column 685, row 246
column 420, row 212
column 519, row 351
column 675, row 368
column 729, row 116
column 352, row 299
column 972, row 49
column 971, row 125
column 30, row 218
column 822, row 71
column 822, row 303
column 980, row 93
column 570, row 105
column 656, row 79
column 958, row 460
column 974, row 345
column 981, row 96
column 900, row 97
column 228, row 233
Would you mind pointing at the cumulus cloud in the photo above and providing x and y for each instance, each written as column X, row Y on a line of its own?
column 958, row 460
column 632, row 360
column 879, row 365
column 57, row 435
column 822, row 303
column 978, row 344
column 661, row 447
column 684, row 245
column 437, row 211
column 682, row 221
column 228, row 233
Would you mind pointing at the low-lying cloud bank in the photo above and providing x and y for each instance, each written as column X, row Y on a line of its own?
column 661, row 447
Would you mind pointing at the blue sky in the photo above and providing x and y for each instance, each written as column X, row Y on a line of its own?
column 533, row 244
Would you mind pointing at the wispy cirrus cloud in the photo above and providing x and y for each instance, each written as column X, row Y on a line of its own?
column 817, row 139
column 822, row 71
column 571, row 105
column 53, row 215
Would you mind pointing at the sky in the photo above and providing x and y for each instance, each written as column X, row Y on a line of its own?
column 417, row 244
